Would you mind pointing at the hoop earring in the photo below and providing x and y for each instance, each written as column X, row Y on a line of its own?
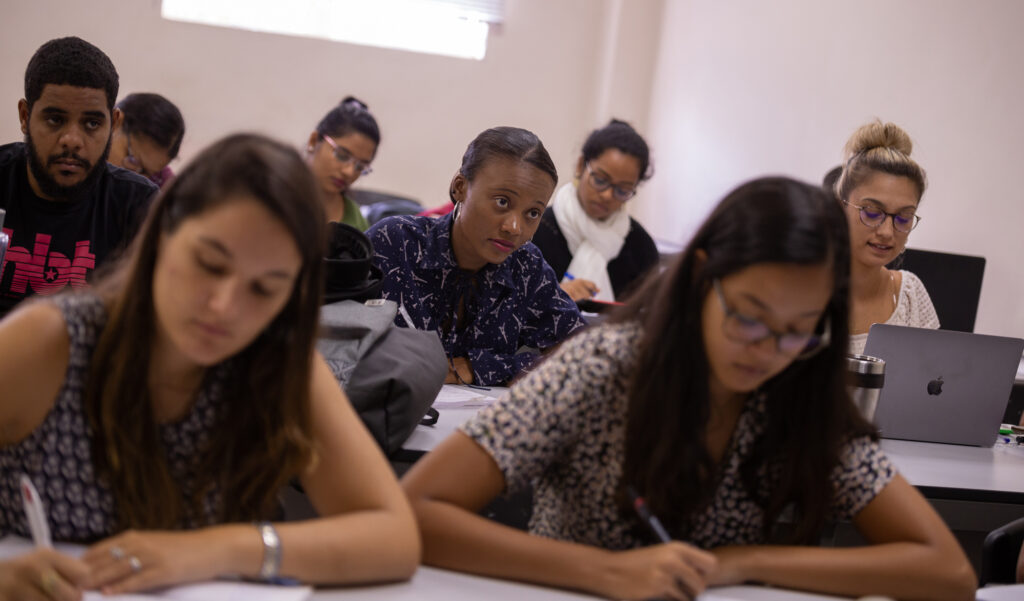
column 456, row 211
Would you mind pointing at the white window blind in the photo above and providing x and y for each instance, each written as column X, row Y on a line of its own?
column 447, row 27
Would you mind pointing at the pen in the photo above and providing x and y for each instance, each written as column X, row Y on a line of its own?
column 649, row 518
column 35, row 514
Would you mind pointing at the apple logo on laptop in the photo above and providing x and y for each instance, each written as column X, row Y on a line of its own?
column 935, row 386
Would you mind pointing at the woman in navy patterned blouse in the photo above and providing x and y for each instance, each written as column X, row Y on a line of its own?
column 473, row 275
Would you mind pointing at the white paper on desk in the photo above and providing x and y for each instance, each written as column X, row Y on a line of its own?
column 221, row 590
column 452, row 396
column 216, row 591
column 1013, row 592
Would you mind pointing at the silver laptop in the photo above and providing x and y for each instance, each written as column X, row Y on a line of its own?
column 941, row 385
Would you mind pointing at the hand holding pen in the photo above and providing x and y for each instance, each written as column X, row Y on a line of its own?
column 44, row 573
column 670, row 570
column 578, row 288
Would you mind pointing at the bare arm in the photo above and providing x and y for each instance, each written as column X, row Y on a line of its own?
column 366, row 533
column 458, row 478
column 33, row 361
column 912, row 555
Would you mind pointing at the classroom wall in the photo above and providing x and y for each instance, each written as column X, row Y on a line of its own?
column 746, row 87
column 543, row 71
column 724, row 89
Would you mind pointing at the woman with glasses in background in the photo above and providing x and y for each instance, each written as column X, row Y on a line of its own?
column 339, row 151
column 596, row 249
column 149, row 136
column 718, row 395
column 880, row 188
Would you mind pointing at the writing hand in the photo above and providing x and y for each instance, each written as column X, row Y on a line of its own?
column 580, row 289
column 672, row 570
column 43, row 575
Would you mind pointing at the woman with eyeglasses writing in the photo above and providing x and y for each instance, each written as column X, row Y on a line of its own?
column 880, row 189
column 717, row 394
column 340, row 150
column 596, row 249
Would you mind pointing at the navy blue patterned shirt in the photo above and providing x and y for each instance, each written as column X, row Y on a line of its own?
column 506, row 306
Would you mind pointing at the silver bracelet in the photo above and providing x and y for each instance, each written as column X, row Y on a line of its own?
column 271, row 551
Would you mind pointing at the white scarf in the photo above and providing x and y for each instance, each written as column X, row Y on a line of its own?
column 592, row 243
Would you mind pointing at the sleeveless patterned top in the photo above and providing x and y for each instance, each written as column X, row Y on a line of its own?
column 57, row 455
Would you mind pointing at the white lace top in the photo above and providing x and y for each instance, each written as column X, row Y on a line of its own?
column 913, row 308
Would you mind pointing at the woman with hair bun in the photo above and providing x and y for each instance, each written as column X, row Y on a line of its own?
column 596, row 249
column 340, row 150
column 880, row 189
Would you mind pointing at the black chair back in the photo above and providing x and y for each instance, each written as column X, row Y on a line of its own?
column 953, row 283
column 999, row 554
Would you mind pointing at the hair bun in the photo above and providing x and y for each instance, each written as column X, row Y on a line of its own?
column 352, row 101
column 879, row 135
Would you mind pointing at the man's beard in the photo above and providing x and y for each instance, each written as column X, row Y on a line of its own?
column 49, row 186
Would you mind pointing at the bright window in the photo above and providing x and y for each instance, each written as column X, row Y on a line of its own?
column 447, row 27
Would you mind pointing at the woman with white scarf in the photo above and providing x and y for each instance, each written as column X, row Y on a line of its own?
column 596, row 249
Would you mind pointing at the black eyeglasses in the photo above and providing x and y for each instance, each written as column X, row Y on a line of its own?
column 343, row 156
column 874, row 217
column 601, row 183
column 131, row 161
column 740, row 328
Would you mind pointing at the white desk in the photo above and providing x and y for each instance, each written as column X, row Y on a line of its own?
column 425, row 438
column 432, row 584
column 957, row 472
column 952, row 472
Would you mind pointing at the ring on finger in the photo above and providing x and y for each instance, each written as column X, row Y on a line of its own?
column 117, row 553
column 48, row 581
column 135, row 563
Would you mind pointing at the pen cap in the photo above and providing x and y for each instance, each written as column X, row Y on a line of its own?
column 864, row 380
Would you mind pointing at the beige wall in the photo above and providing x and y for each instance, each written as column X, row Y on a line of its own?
column 725, row 89
column 746, row 87
column 542, row 72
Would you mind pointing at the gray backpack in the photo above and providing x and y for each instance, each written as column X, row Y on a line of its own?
column 391, row 375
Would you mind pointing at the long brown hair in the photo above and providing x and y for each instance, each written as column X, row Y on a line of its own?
column 809, row 414
column 266, row 437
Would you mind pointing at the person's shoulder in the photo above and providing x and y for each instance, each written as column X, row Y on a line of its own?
column 639, row 235
column 405, row 226
column 11, row 153
column 913, row 286
column 128, row 186
column 615, row 341
column 35, row 331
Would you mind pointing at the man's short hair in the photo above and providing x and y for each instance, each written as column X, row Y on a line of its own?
column 70, row 61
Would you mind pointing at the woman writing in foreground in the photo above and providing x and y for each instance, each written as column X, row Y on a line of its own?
column 718, row 395
column 159, row 415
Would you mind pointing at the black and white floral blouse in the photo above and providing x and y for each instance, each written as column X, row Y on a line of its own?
column 57, row 456
column 516, row 303
column 561, row 429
